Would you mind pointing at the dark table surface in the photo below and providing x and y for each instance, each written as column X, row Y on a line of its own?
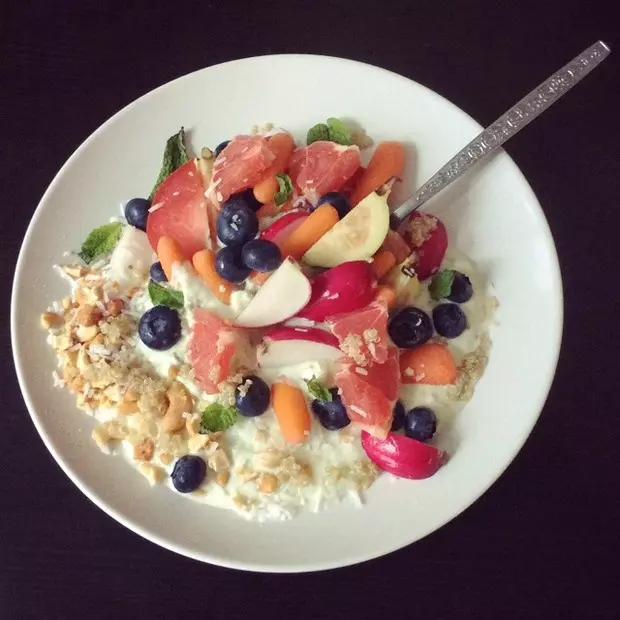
column 543, row 542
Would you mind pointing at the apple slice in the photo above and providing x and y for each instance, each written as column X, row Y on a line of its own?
column 357, row 236
column 286, row 346
column 345, row 288
column 285, row 293
column 284, row 225
column 402, row 456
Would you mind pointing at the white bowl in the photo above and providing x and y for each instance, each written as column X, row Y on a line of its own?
column 492, row 215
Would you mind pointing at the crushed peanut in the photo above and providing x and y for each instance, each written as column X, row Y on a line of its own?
column 144, row 451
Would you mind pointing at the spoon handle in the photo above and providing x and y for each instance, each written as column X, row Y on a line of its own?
column 506, row 126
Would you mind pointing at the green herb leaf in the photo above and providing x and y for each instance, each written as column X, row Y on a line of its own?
column 285, row 189
column 318, row 132
column 100, row 241
column 175, row 155
column 318, row 390
column 338, row 131
column 163, row 296
column 216, row 418
column 441, row 286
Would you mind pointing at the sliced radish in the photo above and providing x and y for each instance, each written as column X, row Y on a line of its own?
column 357, row 236
column 344, row 288
column 294, row 345
column 284, row 225
column 285, row 293
column 402, row 456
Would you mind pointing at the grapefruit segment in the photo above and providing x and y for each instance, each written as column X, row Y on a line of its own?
column 323, row 167
column 216, row 350
column 242, row 164
column 180, row 211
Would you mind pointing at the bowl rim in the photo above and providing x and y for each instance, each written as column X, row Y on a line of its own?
column 555, row 340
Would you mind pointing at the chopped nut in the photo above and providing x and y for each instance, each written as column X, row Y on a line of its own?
column 267, row 483
column 222, row 478
column 181, row 402
column 131, row 395
column 66, row 303
column 152, row 473
column 144, row 451
column 246, row 474
column 101, row 438
column 98, row 340
column 126, row 407
column 116, row 430
column 74, row 271
column 197, row 443
column 62, row 342
column 271, row 458
column 84, row 334
column 218, row 461
column 114, row 306
column 88, row 315
column 173, row 372
column 50, row 319
column 192, row 425
column 242, row 502
column 165, row 458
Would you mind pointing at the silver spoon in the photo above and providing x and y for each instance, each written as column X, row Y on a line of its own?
column 506, row 126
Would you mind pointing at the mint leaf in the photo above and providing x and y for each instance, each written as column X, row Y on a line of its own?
column 318, row 132
column 163, row 296
column 175, row 155
column 338, row 132
column 318, row 390
column 285, row 189
column 216, row 418
column 441, row 286
column 100, row 241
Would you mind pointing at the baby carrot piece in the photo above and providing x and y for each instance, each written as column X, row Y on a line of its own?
column 387, row 161
column 309, row 232
column 430, row 363
column 382, row 262
column 282, row 145
column 386, row 295
column 204, row 264
column 169, row 252
column 289, row 404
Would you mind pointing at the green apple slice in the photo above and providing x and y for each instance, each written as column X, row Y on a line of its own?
column 357, row 236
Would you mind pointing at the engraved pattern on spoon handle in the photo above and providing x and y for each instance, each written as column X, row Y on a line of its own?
column 507, row 125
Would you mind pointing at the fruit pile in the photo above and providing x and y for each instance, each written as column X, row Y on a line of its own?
column 330, row 258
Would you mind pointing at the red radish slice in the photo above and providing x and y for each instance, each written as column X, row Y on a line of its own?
column 294, row 345
column 283, row 226
column 285, row 293
column 427, row 236
column 344, row 288
column 402, row 456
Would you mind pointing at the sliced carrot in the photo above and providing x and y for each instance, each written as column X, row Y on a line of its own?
column 291, row 409
column 397, row 245
column 387, row 161
column 309, row 232
column 169, row 252
column 382, row 262
column 387, row 295
column 204, row 264
column 282, row 145
column 430, row 363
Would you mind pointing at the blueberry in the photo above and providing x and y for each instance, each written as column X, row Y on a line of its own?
column 398, row 416
column 420, row 423
column 229, row 265
column 188, row 473
column 261, row 255
column 236, row 223
column 336, row 200
column 410, row 327
column 462, row 289
column 160, row 328
column 331, row 414
column 252, row 396
column 137, row 212
column 157, row 273
column 221, row 146
column 450, row 321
